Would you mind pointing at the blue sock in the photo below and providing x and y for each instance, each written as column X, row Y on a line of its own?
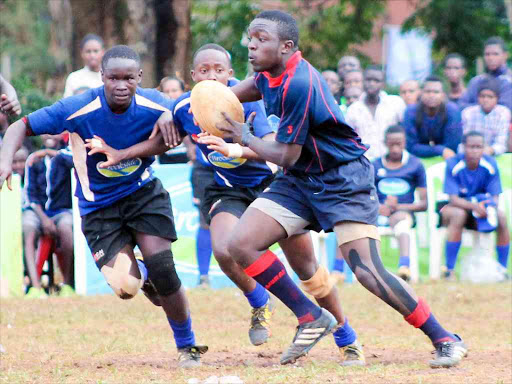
column 452, row 249
column 404, row 261
column 143, row 270
column 435, row 332
column 258, row 297
column 503, row 251
column 183, row 334
column 203, row 250
column 339, row 265
column 344, row 335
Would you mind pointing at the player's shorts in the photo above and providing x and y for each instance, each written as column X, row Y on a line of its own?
column 201, row 178
column 345, row 194
column 31, row 220
column 147, row 210
column 234, row 200
column 470, row 223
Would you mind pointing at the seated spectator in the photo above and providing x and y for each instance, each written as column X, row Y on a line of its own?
column 397, row 176
column 488, row 118
column 172, row 87
column 454, row 71
column 495, row 58
column 354, row 78
column 374, row 112
column 410, row 91
column 473, row 183
column 333, row 81
column 18, row 164
column 433, row 126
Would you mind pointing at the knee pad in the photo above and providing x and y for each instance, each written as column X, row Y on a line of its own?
column 403, row 226
column 118, row 277
column 320, row 285
column 162, row 273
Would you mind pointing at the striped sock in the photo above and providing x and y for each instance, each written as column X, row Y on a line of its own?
column 423, row 319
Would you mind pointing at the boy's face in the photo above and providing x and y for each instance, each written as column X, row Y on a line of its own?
column 347, row 63
column 121, row 77
column 373, row 82
column 432, row 95
column 211, row 64
column 395, row 142
column 352, row 95
column 410, row 91
column 18, row 162
column 454, row 70
column 494, row 57
column 353, row 79
column 265, row 47
column 172, row 88
column 333, row 81
column 92, row 53
column 474, row 149
column 487, row 100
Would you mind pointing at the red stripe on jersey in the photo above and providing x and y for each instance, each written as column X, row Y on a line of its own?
column 323, row 97
column 307, row 104
column 318, row 154
column 359, row 145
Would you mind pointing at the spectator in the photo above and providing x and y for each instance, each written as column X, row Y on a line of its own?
column 495, row 58
column 473, row 183
column 374, row 112
column 172, row 87
column 18, row 164
column 433, row 126
column 91, row 49
column 347, row 63
column 333, row 81
column 488, row 118
column 353, row 78
column 410, row 91
column 454, row 71
column 397, row 176
column 352, row 95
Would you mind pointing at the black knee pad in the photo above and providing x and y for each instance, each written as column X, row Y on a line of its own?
column 162, row 273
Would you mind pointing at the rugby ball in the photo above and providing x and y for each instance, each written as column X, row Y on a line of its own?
column 208, row 99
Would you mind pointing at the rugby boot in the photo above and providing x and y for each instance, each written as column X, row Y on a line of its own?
column 404, row 273
column 352, row 355
column 150, row 292
column 449, row 353
column 308, row 334
column 190, row 357
column 260, row 326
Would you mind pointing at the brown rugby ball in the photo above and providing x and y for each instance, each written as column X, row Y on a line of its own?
column 208, row 99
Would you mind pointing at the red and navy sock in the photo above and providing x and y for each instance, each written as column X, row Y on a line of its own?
column 423, row 319
column 271, row 274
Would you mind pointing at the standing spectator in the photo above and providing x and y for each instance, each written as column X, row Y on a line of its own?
column 375, row 112
column 172, row 87
column 473, row 183
column 488, row 118
column 333, row 81
column 352, row 95
column 353, row 78
column 410, row 91
column 397, row 176
column 347, row 63
column 495, row 58
column 454, row 71
column 433, row 126
column 91, row 49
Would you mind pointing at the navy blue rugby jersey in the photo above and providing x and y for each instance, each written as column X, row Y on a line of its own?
column 88, row 114
column 229, row 171
column 308, row 116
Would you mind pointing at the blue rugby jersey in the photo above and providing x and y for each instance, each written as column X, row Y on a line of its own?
column 229, row 171
column 308, row 116
column 401, row 182
column 466, row 183
column 59, row 189
column 88, row 114
column 37, row 182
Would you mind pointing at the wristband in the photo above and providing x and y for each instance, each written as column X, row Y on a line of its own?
column 235, row 150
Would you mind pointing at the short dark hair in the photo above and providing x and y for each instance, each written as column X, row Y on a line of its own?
column 491, row 84
column 394, row 129
column 169, row 78
column 433, row 79
column 495, row 40
column 120, row 52
column 457, row 56
column 89, row 37
column 372, row 68
column 287, row 28
column 215, row 47
column 470, row 134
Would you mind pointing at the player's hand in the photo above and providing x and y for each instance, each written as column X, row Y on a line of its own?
column 384, row 210
column 238, row 132
column 480, row 209
column 391, row 202
column 49, row 227
column 214, row 143
column 9, row 106
column 5, row 174
column 448, row 153
column 98, row 145
column 170, row 134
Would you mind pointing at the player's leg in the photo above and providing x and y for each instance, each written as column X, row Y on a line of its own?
column 316, row 281
column 401, row 222
column 503, row 239
column 454, row 218
column 64, row 223
column 31, row 232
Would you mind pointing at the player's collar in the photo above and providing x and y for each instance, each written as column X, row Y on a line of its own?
column 405, row 158
column 292, row 62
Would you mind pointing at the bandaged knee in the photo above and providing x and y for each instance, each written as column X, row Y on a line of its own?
column 320, row 285
column 119, row 278
column 162, row 273
column 403, row 227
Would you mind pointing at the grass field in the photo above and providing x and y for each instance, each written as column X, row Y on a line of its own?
column 103, row 339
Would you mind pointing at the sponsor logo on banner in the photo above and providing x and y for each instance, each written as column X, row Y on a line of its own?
column 393, row 186
column 221, row 161
column 124, row 168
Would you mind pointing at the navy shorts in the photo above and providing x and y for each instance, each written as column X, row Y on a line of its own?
column 344, row 193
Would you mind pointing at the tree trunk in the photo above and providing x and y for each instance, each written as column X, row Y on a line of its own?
column 179, row 64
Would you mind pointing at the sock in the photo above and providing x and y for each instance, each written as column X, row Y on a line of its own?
column 404, row 261
column 143, row 270
column 344, row 335
column 339, row 265
column 271, row 274
column 423, row 319
column 502, row 251
column 452, row 249
column 258, row 297
column 183, row 334
column 203, row 250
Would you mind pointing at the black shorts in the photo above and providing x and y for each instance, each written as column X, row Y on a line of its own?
column 147, row 210
column 470, row 223
column 234, row 200
column 201, row 178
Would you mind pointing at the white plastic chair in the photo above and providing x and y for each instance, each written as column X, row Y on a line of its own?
column 413, row 251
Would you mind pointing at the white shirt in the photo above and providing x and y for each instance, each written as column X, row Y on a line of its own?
column 371, row 129
column 82, row 78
